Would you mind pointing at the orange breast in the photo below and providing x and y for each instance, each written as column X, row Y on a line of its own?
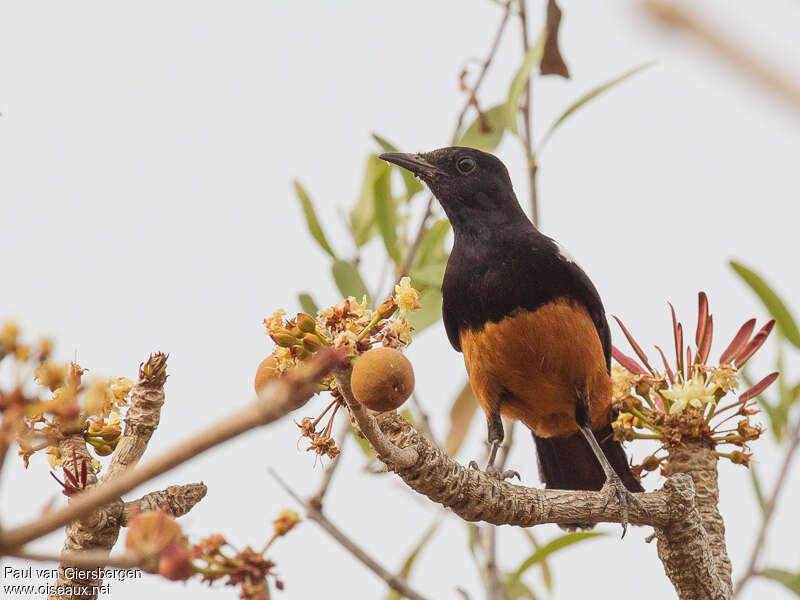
column 535, row 365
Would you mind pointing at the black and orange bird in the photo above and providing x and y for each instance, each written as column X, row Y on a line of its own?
column 530, row 324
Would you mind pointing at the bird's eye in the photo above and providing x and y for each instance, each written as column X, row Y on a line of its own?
column 465, row 165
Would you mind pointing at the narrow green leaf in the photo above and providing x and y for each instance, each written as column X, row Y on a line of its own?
column 516, row 589
column 476, row 137
column 775, row 306
column 461, row 414
column 431, row 246
column 586, row 98
column 547, row 576
column 790, row 580
column 532, row 58
column 348, row 280
column 362, row 217
column 554, row 545
column 386, row 214
column 413, row 185
column 430, row 275
column 757, row 488
column 307, row 304
column 409, row 562
column 311, row 218
column 430, row 310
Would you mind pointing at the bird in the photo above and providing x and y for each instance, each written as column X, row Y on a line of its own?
column 531, row 327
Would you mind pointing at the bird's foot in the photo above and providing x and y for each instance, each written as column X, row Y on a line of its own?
column 494, row 472
column 615, row 489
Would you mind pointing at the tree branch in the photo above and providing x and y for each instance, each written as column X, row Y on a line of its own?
column 688, row 552
column 274, row 401
column 176, row 501
column 99, row 532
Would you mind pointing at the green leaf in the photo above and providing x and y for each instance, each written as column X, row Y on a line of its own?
column 775, row 306
column 757, row 488
column 554, row 545
column 348, row 280
column 307, row 304
column 547, row 576
column 362, row 217
column 532, row 58
column 586, row 98
column 430, row 311
column 430, row 275
column 311, row 218
column 516, row 589
column 476, row 137
column 431, row 246
column 409, row 562
column 413, row 185
column 386, row 214
column 461, row 413
column 790, row 580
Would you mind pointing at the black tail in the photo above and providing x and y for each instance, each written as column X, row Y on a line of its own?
column 568, row 463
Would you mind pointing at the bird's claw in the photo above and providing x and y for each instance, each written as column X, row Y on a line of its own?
column 614, row 488
column 492, row 471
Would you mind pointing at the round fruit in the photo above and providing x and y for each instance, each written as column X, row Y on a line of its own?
column 266, row 372
column 382, row 379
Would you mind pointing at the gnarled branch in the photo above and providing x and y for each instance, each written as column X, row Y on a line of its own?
column 684, row 545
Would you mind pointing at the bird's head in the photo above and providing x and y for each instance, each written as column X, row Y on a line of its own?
column 472, row 186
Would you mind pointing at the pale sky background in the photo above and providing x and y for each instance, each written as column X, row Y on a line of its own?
column 146, row 155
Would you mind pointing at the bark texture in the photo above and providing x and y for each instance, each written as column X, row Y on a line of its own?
column 100, row 529
column 694, row 558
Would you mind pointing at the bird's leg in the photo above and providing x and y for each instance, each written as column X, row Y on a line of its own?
column 495, row 439
column 613, row 486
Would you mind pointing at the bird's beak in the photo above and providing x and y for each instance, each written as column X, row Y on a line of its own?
column 413, row 162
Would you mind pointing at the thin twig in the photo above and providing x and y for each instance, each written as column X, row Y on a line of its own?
column 316, row 515
column 769, row 508
column 275, row 400
column 424, row 421
column 527, row 137
column 728, row 49
column 409, row 258
column 486, row 64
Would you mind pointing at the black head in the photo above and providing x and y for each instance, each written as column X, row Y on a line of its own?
column 472, row 186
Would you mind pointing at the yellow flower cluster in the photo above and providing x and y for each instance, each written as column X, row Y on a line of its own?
column 350, row 325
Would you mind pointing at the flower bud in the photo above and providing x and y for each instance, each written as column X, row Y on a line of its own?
column 266, row 372
column 299, row 353
column 387, row 308
column 285, row 522
column 651, row 463
column 149, row 533
column 311, row 342
column 306, row 323
column 111, row 432
column 175, row 563
column 283, row 338
column 102, row 449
